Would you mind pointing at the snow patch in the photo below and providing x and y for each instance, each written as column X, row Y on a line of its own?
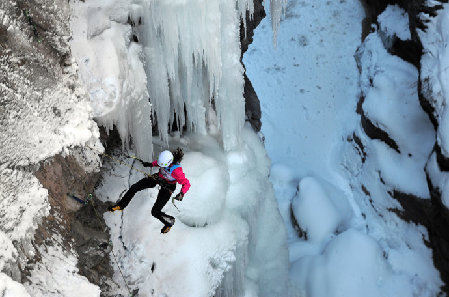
column 57, row 275
column 394, row 21
column 23, row 203
column 319, row 211
column 10, row 288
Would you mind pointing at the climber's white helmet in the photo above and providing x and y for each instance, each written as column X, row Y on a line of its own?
column 165, row 159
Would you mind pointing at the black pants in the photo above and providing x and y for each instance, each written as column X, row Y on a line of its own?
column 162, row 198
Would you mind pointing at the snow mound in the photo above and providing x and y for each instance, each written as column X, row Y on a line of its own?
column 351, row 265
column 319, row 211
column 204, row 203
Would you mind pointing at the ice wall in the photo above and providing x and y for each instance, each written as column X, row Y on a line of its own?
column 192, row 53
column 112, row 71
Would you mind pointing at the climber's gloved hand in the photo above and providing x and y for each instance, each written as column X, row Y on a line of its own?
column 146, row 164
column 179, row 196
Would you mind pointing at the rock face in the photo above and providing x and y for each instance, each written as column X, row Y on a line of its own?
column 430, row 213
column 50, row 141
column 252, row 103
column 79, row 227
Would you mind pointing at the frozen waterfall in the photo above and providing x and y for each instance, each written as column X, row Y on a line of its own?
column 177, row 63
column 184, row 69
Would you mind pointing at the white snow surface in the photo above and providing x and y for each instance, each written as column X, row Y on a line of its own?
column 351, row 244
column 305, row 80
column 10, row 288
column 228, row 238
column 394, row 21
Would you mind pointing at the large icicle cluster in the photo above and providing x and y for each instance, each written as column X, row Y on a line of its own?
column 192, row 52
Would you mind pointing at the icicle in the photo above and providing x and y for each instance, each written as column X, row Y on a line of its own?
column 276, row 10
column 245, row 6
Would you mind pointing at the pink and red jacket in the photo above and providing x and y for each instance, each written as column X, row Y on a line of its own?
column 173, row 174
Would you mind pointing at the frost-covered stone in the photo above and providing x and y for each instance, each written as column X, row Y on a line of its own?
column 43, row 112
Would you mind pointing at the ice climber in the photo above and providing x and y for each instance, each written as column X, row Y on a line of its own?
column 169, row 174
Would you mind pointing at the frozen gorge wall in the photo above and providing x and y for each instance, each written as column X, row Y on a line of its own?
column 47, row 128
column 424, row 46
column 45, row 119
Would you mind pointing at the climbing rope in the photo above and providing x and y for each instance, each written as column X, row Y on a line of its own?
column 89, row 199
column 127, row 165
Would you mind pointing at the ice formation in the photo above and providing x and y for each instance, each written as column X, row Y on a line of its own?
column 111, row 70
column 185, row 56
column 227, row 240
column 190, row 51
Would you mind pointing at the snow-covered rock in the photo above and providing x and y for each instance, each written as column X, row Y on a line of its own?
column 319, row 211
column 44, row 112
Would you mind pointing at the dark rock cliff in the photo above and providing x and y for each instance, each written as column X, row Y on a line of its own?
column 252, row 103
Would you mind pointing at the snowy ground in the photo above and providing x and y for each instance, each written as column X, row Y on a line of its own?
column 349, row 243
